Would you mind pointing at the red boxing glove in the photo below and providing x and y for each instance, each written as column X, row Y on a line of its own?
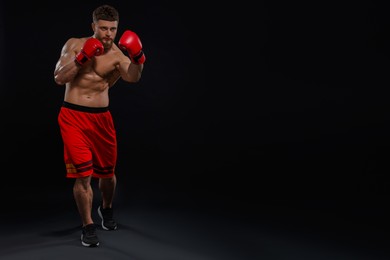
column 131, row 43
column 92, row 47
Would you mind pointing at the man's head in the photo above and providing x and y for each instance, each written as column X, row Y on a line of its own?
column 105, row 12
column 105, row 24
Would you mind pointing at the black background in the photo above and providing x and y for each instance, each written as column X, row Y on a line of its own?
column 239, row 104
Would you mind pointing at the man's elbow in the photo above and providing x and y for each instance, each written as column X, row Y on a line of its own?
column 133, row 79
column 58, row 80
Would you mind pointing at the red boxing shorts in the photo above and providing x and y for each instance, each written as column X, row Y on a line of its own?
column 89, row 137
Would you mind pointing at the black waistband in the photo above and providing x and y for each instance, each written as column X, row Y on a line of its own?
column 84, row 108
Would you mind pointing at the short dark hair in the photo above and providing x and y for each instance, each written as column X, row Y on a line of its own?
column 105, row 12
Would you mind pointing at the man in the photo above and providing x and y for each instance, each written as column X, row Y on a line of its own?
column 89, row 67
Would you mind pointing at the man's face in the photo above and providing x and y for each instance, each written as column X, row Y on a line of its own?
column 105, row 31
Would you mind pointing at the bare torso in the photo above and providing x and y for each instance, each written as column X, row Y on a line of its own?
column 91, row 85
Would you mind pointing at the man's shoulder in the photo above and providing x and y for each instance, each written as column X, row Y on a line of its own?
column 77, row 39
column 75, row 42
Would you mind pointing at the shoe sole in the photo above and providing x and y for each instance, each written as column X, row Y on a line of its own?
column 88, row 245
column 102, row 223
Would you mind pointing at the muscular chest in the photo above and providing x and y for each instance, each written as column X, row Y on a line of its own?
column 101, row 69
column 103, row 66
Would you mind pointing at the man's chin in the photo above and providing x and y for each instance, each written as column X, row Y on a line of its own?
column 107, row 45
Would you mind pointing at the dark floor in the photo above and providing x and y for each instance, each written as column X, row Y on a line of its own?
column 158, row 223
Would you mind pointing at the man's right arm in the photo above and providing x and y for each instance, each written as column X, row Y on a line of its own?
column 66, row 68
column 69, row 63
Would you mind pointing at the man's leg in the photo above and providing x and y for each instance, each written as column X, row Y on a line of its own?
column 83, row 195
column 107, row 188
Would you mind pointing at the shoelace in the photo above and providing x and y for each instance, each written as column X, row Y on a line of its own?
column 90, row 230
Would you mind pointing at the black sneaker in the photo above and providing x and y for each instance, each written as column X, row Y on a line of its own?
column 106, row 215
column 88, row 236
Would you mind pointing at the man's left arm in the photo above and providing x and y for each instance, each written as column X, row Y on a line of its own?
column 131, row 70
